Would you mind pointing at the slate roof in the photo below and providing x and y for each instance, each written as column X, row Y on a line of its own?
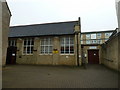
column 61, row 28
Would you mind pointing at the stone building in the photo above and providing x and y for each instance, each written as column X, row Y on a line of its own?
column 45, row 44
column 5, row 15
column 91, row 45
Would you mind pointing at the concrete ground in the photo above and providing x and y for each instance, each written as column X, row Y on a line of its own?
column 35, row 76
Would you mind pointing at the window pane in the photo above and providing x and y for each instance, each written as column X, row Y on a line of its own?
column 93, row 36
column 67, row 44
column 42, row 49
column 62, row 49
column 24, row 51
column 71, row 41
column 50, row 49
column 67, row 41
column 25, row 42
column 67, row 49
column 71, row 49
column 94, row 41
column 28, row 42
column 87, row 41
column 87, row 36
column 31, row 49
column 99, row 41
column 98, row 35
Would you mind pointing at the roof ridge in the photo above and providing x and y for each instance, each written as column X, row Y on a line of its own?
column 43, row 24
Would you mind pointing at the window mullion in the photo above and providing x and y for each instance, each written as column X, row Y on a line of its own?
column 69, row 45
column 30, row 45
column 64, row 44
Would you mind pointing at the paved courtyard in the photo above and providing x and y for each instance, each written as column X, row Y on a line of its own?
column 35, row 76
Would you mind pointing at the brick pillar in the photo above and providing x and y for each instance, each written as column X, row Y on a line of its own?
column 77, row 30
column 19, row 52
column 36, row 50
column 56, row 50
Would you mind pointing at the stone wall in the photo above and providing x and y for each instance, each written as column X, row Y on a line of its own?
column 4, row 27
column 110, row 52
column 49, row 59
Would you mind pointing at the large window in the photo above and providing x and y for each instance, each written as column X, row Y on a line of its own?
column 46, row 46
column 12, row 43
column 28, row 46
column 67, row 45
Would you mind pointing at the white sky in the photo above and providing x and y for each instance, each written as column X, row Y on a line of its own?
column 95, row 15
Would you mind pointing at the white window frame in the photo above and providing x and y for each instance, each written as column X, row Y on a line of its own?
column 88, row 41
column 88, row 35
column 100, row 41
column 94, row 41
column 26, row 46
column 93, row 36
column 12, row 43
column 99, row 35
column 49, row 45
column 107, row 35
column 64, row 45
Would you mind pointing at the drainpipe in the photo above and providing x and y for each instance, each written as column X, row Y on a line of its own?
column 77, row 50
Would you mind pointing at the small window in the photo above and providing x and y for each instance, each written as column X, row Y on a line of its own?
column 67, row 45
column 81, row 41
column 94, row 41
column 28, row 46
column 12, row 43
column 87, row 36
column 107, row 35
column 99, row 35
column 46, row 46
column 93, row 36
column 88, row 42
column 99, row 41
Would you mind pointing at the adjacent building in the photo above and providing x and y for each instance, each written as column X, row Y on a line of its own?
column 45, row 44
column 91, row 45
column 5, row 15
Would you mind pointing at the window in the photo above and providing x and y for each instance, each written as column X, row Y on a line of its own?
column 93, row 36
column 46, row 46
column 94, row 41
column 12, row 43
column 87, row 36
column 81, row 41
column 67, row 45
column 98, row 35
column 107, row 35
column 99, row 41
column 87, row 41
column 28, row 46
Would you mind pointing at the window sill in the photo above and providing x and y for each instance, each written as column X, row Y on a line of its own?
column 28, row 54
column 67, row 54
column 46, row 54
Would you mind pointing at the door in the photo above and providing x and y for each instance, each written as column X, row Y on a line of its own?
column 93, row 56
column 11, row 55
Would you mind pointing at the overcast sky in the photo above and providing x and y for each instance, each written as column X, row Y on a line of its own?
column 96, row 15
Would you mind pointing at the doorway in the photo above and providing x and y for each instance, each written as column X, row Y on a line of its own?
column 93, row 56
column 11, row 55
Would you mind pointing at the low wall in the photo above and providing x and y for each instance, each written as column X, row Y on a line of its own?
column 110, row 52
